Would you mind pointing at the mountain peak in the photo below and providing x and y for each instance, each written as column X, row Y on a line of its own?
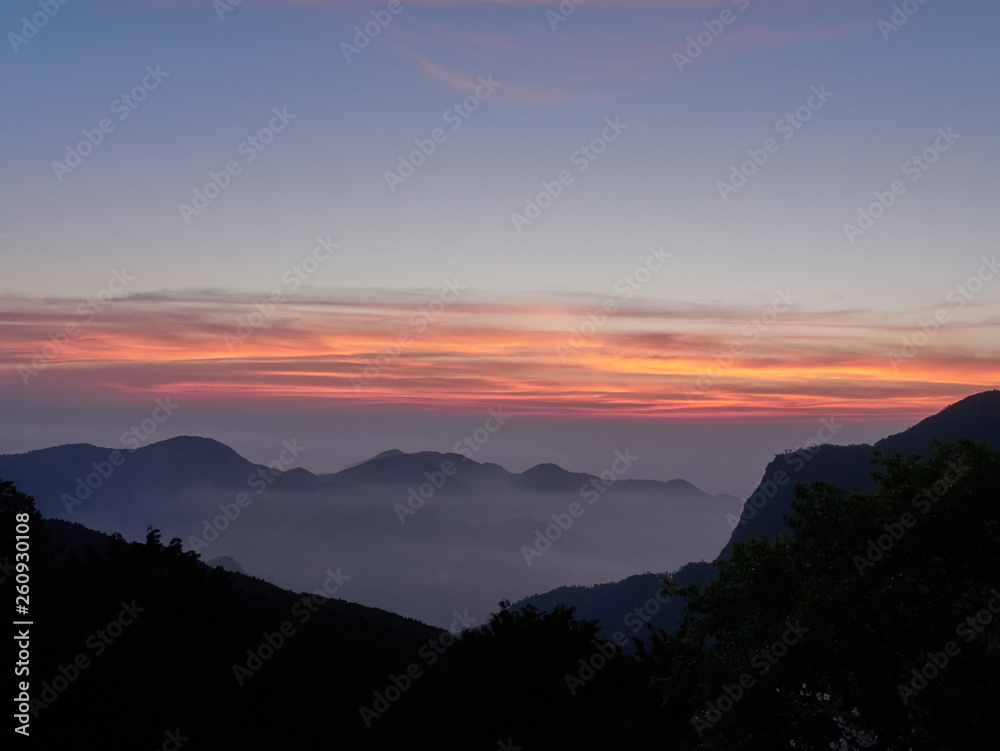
column 198, row 450
column 548, row 476
column 387, row 468
column 378, row 457
column 192, row 442
column 384, row 454
column 683, row 486
column 976, row 417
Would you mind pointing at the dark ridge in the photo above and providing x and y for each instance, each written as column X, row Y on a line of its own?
column 550, row 477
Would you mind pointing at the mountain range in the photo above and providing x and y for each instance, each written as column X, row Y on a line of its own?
column 422, row 534
column 430, row 534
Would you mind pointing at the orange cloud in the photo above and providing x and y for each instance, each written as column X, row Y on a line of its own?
column 548, row 357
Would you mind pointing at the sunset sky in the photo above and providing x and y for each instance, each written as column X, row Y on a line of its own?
column 624, row 225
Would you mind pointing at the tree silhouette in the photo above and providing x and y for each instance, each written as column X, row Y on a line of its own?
column 880, row 583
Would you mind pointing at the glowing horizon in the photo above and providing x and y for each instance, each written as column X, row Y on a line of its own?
column 765, row 200
column 551, row 356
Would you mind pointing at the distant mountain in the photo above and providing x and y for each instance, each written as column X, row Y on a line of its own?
column 381, row 455
column 93, row 475
column 551, row 477
column 426, row 534
column 388, row 468
column 412, row 470
column 630, row 606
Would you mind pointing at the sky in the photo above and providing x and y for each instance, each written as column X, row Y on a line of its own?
column 692, row 229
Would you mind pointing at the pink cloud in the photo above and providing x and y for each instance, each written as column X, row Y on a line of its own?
column 487, row 349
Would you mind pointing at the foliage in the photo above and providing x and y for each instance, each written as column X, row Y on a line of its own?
column 870, row 615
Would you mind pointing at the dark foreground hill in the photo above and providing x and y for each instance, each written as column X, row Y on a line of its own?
column 634, row 606
column 975, row 418
column 75, row 540
column 138, row 645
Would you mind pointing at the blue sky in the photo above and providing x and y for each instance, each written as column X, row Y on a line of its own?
column 656, row 184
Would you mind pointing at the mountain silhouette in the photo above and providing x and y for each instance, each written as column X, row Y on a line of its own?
column 408, row 520
column 411, row 520
column 975, row 418
column 632, row 605
column 551, row 477
column 71, row 537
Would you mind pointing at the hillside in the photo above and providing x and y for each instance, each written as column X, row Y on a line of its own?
column 975, row 418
